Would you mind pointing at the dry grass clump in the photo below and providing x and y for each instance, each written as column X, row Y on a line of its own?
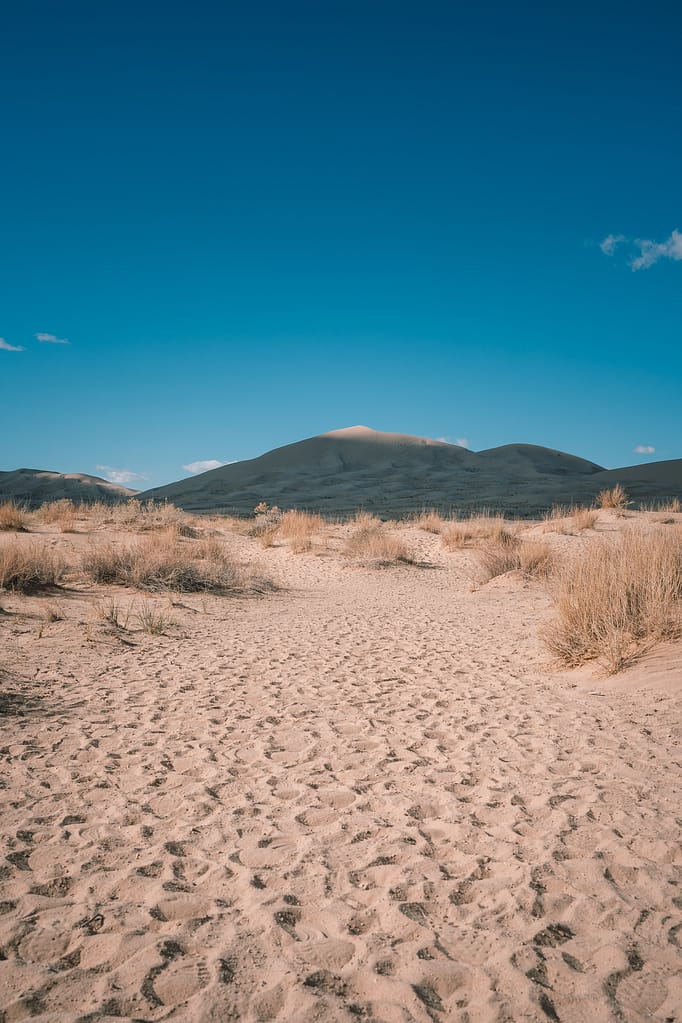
column 267, row 522
column 146, row 515
column 569, row 519
column 29, row 568
column 165, row 563
column 58, row 513
column 618, row 597
column 533, row 558
column 429, row 520
column 585, row 518
column 13, row 516
column 613, row 497
column 364, row 520
column 476, row 530
column 371, row 545
column 299, row 527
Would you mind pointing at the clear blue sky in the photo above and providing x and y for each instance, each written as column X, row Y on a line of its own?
column 259, row 221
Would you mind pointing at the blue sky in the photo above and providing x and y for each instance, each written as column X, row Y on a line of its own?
column 255, row 222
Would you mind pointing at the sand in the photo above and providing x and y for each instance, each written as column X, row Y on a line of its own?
column 366, row 796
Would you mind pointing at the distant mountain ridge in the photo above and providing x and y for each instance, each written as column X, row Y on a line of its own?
column 387, row 473
column 33, row 487
column 394, row 474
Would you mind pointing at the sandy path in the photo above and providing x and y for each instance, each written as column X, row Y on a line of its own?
column 364, row 798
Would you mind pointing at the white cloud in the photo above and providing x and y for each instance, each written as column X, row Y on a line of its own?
column 204, row 465
column 644, row 252
column 119, row 475
column 651, row 252
column 6, row 347
column 51, row 339
column 644, row 449
column 610, row 243
column 461, row 442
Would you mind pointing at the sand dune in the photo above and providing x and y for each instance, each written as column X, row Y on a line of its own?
column 392, row 474
column 32, row 487
column 366, row 796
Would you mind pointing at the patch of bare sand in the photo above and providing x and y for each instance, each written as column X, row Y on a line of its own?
column 364, row 797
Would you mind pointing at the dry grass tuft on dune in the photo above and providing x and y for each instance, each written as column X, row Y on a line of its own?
column 617, row 597
column 13, row 517
column 484, row 528
column 29, row 568
column 532, row 558
column 299, row 527
column 60, row 513
column 613, row 497
column 164, row 563
column 429, row 520
column 373, row 546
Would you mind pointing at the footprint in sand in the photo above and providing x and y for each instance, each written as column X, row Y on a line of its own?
column 44, row 946
column 330, row 954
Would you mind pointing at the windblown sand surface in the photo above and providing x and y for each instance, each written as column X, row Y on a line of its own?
column 366, row 796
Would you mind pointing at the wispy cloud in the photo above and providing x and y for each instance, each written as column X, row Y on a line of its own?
column 461, row 442
column 51, row 339
column 204, row 465
column 644, row 252
column 611, row 242
column 119, row 475
column 644, row 449
column 5, row 346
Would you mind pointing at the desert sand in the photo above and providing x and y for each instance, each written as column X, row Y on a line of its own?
column 367, row 795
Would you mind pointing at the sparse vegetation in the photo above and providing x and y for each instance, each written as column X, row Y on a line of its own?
column 13, row 517
column 429, row 520
column 618, row 596
column 531, row 557
column 569, row 519
column 153, row 622
column 58, row 513
column 613, row 497
column 299, row 527
column 478, row 529
column 373, row 545
column 165, row 563
column 29, row 568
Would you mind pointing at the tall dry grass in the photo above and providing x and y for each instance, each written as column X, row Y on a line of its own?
column 371, row 545
column 613, row 497
column 299, row 528
column 158, row 563
column 429, row 520
column 569, row 519
column 476, row 530
column 533, row 558
column 617, row 597
column 60, row 513
column 13, row 517
column 29, row 568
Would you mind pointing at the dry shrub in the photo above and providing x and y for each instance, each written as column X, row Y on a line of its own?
column 299, row 527
column 532, row 558
column 164, row 563
column 614, row 497
column 429, row 520
column 29, row 568
column 476, row 530
column 146, row 515
column 365, row 520
column 13, row 516
column 267, row 520
column 674, row 505
column 585, row 518
column 569, row 519
column 371, row 545
column 617, row 597
column 58, row 513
